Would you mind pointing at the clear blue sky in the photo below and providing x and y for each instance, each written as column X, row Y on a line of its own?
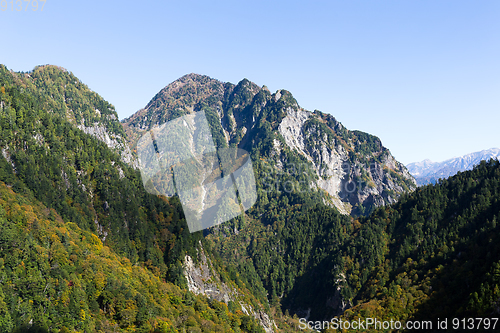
column 424, row 76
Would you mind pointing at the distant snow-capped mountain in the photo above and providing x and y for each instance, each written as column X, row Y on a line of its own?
column 427, row 172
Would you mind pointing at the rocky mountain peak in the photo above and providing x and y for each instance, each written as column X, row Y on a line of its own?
column 353, row 168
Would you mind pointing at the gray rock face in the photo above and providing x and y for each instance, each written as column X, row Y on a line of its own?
column 117, row 143
column 202, row 280
column 375, row 178
column 6, row 155
column 291, row 128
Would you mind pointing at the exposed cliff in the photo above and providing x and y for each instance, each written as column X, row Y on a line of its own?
column 205, row 279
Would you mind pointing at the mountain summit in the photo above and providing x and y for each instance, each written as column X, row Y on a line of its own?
column 427, row 172
column 352, row 168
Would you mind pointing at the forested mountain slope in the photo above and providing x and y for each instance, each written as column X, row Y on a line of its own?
column 84, row 247
column 51, row 158
column 433, row 254
column 63, row 94
column 77, row 174
column 436, row 252
column 57, row 277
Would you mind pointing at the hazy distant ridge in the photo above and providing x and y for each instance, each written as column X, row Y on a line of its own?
column 427, row 172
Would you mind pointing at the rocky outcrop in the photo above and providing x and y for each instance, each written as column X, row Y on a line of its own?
column 350, row 177
column 202, row 279
column 260, row 315
column 116, row 143
column 291, row 128
column 337, row 302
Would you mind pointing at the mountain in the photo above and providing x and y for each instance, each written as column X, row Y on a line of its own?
column 352, row 168
column 66, row 145
column 83, row 247
column 427, row 172
column 311, row 174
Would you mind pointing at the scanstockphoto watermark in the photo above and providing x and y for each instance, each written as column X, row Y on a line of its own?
column 180, row 157
column 363, row 324
column 22, row 6
column 472, row 324
column 301, row 177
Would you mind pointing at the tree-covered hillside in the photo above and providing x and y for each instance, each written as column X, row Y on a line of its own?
column 79, row 176
column 47, row 155
column 434, row 254
column 57, row 277
column 441, row 257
